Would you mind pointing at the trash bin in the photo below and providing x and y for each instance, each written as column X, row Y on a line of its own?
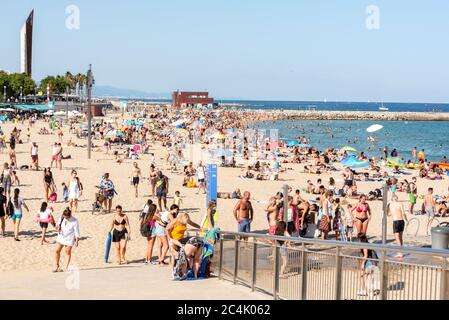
column 440, row 236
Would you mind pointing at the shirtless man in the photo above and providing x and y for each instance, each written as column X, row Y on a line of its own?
column 243, row 213
column 396, row 210
column 429, row 207
column 297, row 199
column 272, row 215
column 137, row 175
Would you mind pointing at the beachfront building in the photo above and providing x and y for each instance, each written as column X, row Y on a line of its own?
column 183, row 99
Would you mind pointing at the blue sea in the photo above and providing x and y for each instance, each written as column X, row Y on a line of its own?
column 432, row 136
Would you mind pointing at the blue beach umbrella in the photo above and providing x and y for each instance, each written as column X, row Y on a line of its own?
column 292, row 143
column 355, row 163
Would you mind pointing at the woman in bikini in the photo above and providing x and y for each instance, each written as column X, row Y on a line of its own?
column 121, row 233
column 362, row 216
column 49, row 183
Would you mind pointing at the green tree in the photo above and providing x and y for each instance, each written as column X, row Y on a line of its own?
column 15, row 81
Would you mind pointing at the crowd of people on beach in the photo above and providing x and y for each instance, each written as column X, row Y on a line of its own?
column 321, row 209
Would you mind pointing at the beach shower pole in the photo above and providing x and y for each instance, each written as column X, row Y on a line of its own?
column 384, row 216
column 285, row 195
column 90, row 82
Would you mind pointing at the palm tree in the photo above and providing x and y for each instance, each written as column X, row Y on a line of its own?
column 70, row 80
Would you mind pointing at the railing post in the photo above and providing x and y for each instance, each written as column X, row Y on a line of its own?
column 254, row 266
column 276, row 271
column 383, row 276
column 220, row 261
column 303, row 295
column 444, row 294
column 338, row 274
column 236, row 259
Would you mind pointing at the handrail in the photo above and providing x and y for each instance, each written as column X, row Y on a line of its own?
column 354, row 245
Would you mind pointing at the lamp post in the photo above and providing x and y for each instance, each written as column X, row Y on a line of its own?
column 90, row 83
column 35, row 95
column 67, row 101
column 4, row 93
column 21, row 94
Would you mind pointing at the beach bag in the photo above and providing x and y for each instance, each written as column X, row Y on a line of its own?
column 146, row 229
column 53, row 197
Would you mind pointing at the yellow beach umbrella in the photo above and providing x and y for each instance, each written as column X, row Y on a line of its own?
column 348, row 148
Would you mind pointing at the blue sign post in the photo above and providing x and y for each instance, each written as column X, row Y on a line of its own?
column 211, row 183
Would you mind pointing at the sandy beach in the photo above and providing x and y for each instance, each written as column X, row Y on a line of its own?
column 29, row 254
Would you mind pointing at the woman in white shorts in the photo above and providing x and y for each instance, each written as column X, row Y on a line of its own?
column 68, row 236
column 165, row 218
column 75, row 190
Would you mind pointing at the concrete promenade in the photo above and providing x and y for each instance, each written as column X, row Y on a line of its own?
column 131, row 282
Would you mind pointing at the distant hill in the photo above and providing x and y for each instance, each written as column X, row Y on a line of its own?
column 109, row 91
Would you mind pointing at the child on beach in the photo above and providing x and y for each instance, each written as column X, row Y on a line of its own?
column 65, row 192
column 349, row 224
column 177, row 199
column 44, row 217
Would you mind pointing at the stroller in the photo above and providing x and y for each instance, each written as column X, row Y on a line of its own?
column 99, row 199
column 182, row 270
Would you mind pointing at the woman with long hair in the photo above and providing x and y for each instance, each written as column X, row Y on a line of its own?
column 49, row 183
column 147, row 224
column 17, row 205
column 44, row 217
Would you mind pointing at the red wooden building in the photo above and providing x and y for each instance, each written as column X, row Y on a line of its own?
column 182, row 99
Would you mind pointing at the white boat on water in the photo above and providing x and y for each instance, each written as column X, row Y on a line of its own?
column 382, row 108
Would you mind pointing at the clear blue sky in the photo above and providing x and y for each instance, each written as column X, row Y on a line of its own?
column 253, row 49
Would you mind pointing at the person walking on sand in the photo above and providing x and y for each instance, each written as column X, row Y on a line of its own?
column 244, row 213
column 429, row 207
column 68, row 237
column 49, row 183
column 147, row 222
column 7, row 177
column 59, row 156
column 201, row 173
column 164, row 218
column 136, row 176
column 3, row 211
column 34, row 156
column 396, row 210
column 121, row 233
column 54, row 155
column 153, row 178
column 108, row 188
column 161, row 190
column 44, row 217
column 75, row 190
column 362, row 215
column 16, row 207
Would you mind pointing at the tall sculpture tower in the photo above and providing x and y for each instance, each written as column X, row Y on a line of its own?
column 26, row 45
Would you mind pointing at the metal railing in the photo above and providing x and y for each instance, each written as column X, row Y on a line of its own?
column 311, row 269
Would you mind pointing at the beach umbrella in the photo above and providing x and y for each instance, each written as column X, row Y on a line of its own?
column 359, row 164
column 221, row 152
column 182, row 131
column 177, row 123
column 292, row 143
column 348, row 148
column 374, row 128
